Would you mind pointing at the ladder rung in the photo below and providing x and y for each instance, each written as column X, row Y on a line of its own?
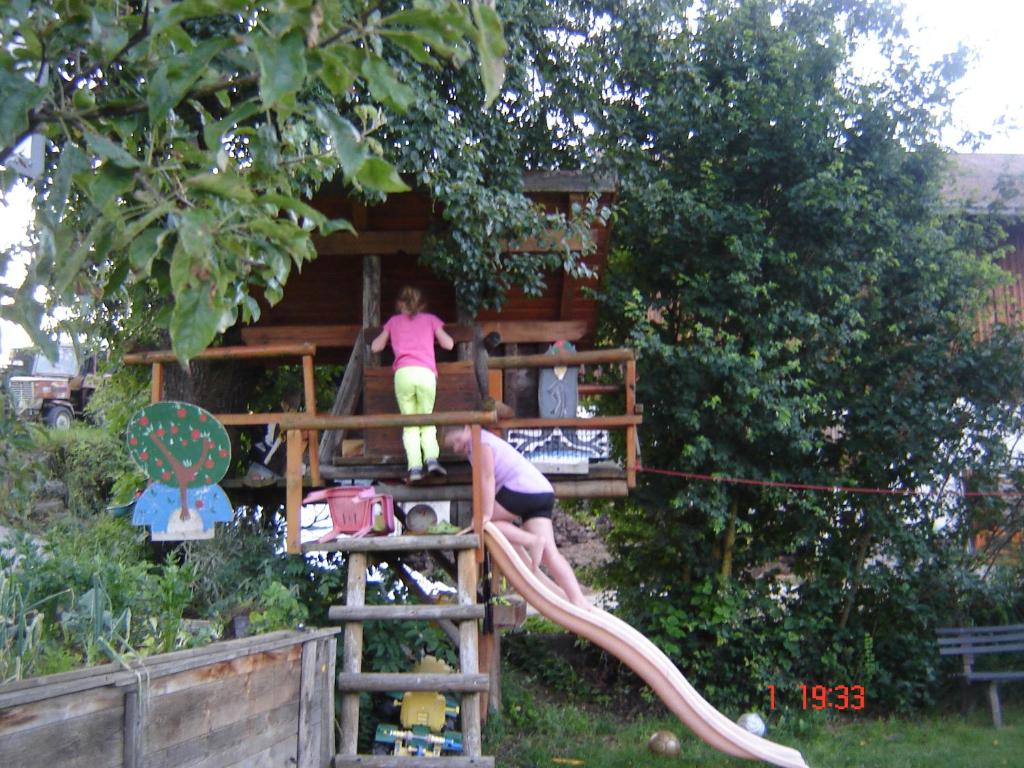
column 396, row 761
column 410, row 681
column 398, row 612
column 396, row 543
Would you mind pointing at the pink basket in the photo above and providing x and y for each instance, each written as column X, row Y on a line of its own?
column 355, row 510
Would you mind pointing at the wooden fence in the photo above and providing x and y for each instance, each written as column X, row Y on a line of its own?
column 255, row 702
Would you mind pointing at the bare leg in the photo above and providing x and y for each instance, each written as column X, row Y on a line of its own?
column 560, row 569
column 531, row 542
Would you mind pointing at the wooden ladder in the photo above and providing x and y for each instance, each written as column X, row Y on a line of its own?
column 468, row 681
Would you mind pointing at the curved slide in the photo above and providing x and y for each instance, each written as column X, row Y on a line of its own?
column 642, row 656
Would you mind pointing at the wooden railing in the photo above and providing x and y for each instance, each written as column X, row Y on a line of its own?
column 630, row 420
column 158, row 358
column 296, row 424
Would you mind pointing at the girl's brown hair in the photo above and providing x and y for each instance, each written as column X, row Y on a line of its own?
column 410, row 299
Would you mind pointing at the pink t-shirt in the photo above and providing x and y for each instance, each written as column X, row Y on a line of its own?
column 511, row 469
column 412, row 339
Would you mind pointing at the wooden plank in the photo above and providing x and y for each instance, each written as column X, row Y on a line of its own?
column 344, row 335
column 346, row 400
column 47, row 689
column 404, row 612
column 468, row 659
column 156, row 384
column 223, row 353
column 993, row 629
column 563, row 358
column 631, row 430
column 293, row 492
column 391, row 761
column 47, row 711
column 352, row 659
column 385, row 243
column 224, row 697
column 324, row 421
column 395, row 544
column 238, row 739
column 89, row 741
column 275, row 756
column 478, row 499
column 411, row 681
column 310, row 709
column 309, row 395
column 593, row 422
column 329, row 647
column 134, row 729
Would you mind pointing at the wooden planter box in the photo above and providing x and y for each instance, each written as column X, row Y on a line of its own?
column 254, row 702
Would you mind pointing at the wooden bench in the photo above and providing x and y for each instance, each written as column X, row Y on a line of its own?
column 973, row 641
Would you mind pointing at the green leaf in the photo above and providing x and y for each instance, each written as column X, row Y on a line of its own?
column 282, row 69
column 195, row 321
column 414, row 44
column 381, row 175
column 69, row 262
column 176, row 76
column 107, row 183
column 72, row 161
column 291, row 204
column 337, row 70
column 195, row 233
column 490, row 43
column 108, row 150
column 143, row 249
column 169, row 15
column 384, row 86
column 348, row 146
column 227, row 185
column 214, row 132
column 21, row 96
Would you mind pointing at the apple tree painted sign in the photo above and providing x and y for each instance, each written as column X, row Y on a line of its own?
column 185, row 452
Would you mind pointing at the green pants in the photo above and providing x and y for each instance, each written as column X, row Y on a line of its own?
column 415, row 389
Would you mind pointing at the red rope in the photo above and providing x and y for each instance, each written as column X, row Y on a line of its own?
column 829, row 488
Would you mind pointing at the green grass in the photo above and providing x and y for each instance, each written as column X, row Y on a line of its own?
column 531, row 733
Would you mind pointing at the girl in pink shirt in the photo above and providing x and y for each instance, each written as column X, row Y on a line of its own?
column 412, row 333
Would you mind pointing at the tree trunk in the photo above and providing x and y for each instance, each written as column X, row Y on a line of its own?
column 725, row 572
column 860, row 555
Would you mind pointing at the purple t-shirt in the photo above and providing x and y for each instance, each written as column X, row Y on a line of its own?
column 412, row 339
column 511, row 469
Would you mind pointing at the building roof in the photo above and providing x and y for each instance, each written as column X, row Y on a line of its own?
column 987, row 183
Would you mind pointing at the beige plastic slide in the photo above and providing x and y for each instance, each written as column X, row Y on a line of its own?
column 642, row 656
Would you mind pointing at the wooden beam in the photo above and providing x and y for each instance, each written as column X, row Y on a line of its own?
column 469, row 663
column 395, row 544
column 563, row 358
column 347, row 399
column 352, row 658
column 309, row 394
column 631, row 430
column 411, row 612
column 293, row 492
column 410, row 761
column 390, row 242
column 411, row 681
column 478, row 499
column 223, row 353
column 344, row 336
column 376, row 421
column 595, row 422
column 156, row 385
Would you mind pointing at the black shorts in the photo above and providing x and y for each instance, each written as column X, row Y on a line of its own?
column 527, row 505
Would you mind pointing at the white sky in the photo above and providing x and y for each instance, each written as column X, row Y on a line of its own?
column 989, row 92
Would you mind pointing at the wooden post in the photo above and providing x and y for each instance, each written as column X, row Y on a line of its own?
column 468, row 658
column 134, row 727
column 352, row 661
column 347, row 399
column 156, row 384
column 371, row 297
column 631, row 430
column 478, row 502
column 309, row 387
column 293, row 492
column 330, row 659
column 309, row 708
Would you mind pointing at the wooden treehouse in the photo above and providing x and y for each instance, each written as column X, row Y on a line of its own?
column 328, row 315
